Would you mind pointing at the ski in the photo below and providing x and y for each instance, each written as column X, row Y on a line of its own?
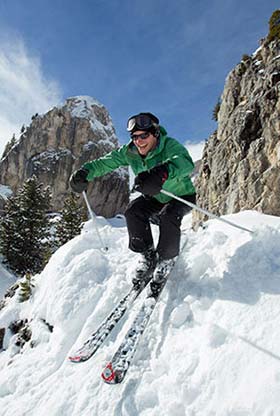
column 117, row 368
column 91, row 345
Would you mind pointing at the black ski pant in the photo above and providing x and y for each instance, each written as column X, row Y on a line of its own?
column 138, row 216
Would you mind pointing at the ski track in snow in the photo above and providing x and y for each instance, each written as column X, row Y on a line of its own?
column 211, row 347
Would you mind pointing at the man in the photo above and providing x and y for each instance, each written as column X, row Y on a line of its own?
column 159, row 162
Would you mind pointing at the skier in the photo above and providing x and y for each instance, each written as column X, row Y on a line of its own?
column 159, row 162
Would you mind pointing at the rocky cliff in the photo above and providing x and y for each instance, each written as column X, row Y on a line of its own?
column 57, row 143
column 241, row 160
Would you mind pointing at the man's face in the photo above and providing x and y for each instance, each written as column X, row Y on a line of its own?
column 145, row 143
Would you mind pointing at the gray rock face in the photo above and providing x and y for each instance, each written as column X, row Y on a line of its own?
column 59, row 142
column 241, row 160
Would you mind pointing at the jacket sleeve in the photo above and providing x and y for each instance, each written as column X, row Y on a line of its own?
column 180, row 163
column 107, row 163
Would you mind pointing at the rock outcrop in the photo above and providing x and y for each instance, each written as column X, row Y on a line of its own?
column 60, row 141
column 241, row 160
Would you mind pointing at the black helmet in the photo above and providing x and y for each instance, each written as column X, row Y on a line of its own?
column 145, row 122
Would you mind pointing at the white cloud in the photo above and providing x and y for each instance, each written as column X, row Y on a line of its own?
column 24, row 89
column 195, row 149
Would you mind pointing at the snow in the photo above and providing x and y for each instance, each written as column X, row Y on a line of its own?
column 5, row 191
column 211, row 347
column 257, row 51
column 49, row 158
column 81, row 105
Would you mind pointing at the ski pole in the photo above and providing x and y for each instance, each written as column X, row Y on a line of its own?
column 93, row 217
column 209, row 214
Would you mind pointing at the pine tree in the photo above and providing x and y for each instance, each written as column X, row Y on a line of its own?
column 9, row 146
column 71, row 221
column 25, row 228
column 216, row 110
column 274, row 26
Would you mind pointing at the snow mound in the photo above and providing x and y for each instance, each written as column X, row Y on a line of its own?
column 211, row 347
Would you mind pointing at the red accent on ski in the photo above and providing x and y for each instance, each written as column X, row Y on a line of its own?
column 108, row 374
column 75, row 359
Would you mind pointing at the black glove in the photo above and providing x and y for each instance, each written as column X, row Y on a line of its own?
column 150, row 182
column 78, row 180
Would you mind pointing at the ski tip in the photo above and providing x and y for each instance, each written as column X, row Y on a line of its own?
column 75, row 359
column 110, row 376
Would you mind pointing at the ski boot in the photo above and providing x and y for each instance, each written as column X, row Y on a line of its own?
column 161, row 273
column 145, row 268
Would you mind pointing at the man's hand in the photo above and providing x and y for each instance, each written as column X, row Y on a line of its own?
column 150, row 182
column 78, row 180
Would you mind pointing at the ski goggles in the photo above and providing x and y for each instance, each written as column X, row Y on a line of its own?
column 142, row 136
column 141, row 122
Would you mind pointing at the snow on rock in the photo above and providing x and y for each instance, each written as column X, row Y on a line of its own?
column 80, row 104
column 87, row 107
column 211, row 347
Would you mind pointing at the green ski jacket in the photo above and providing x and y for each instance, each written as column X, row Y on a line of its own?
column 168, row 150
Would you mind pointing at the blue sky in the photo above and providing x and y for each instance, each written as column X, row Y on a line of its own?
column 167, row 57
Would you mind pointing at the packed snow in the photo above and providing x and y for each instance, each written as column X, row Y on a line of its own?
column 211, row 347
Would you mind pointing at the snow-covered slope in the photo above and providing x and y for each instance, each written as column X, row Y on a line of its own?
column 212, row 346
